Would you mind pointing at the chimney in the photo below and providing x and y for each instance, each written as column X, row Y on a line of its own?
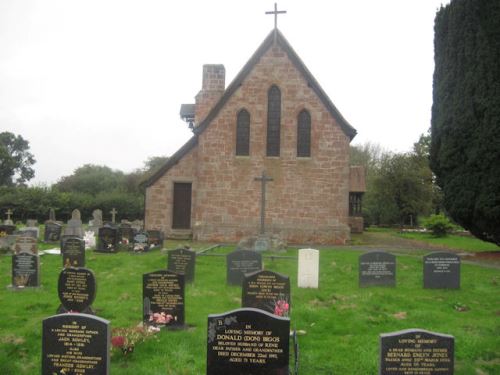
column 213, row 85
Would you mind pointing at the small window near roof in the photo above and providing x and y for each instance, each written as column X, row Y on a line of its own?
column 243, row 133
column 304, row 134
column 273, row 121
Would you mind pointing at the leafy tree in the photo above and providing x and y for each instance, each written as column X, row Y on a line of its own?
column 15, row 160
column 92, row 179
column 465, row 147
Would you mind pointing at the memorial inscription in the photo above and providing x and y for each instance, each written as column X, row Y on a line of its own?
column 73, row 252
column 416, row 352
column 247, row 341
column 241, row 262
column 268, row 291
column 77, row 289
column 442, row 271
column 377, row 268
column 183, row 262
column 75, row 344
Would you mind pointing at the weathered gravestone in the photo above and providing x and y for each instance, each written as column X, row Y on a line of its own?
column 163, row 299
column 28, row 232
column 52, row 232
column 75, row 344
column 107, row 239
column 73, row 252
column 7, row 237
column 96, row 221
column 74, row 226
column 268, row 291
column 32, row 223
column 76, row 288
column 126, row 233
column 248, row 341
column 442, row 271
column 241, row 262
column 416, row 352
column 8, row 221
column 377, row 268
column 308, row 269
column 155, row 238
column 182, row 261
column 25, row 263
column 7, row 229
column 141, row 244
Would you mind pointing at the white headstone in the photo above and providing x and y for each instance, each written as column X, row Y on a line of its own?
column 308, row 275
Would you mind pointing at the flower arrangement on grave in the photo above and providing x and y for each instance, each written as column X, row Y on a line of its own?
column 281, row 306
column 124, row 340
column 161, row 318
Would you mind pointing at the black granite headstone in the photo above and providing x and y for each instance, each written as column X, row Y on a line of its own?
column 416, row 352
column 25, row 270
column 7, row 229
column 77, row 289
column 163, row 299
column 73, row 252
column 268, row 291
column 377, row 268
column 241, row 262
column 183, row 262
column 442, row 271
column 248, row 341
column 107, row 239
column 155, row 238
column 52, row 232
column 75, row 344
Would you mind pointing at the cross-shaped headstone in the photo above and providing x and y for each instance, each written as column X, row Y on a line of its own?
column 276, row 12
column 9, row 212
column 263, row 179
column 113, row 212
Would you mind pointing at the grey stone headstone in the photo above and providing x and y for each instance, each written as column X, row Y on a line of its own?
column 75, row 344
column 442, row 271
column 52, row 215
column 32, row 232
column 52, row 231
column 377, row 268
column 74, row 226
column 248, row 341
column 182, row 261
column 73, row 252
column 416, row 351
column 241, row 262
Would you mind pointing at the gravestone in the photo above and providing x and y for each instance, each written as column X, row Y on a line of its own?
column 52, row 231
column 155, row 238
column 33, row 223
column 138, row 225
column 442, row 271
column 107, row 239
column 377, row 268
column 75, row 344
column 248, row 341
column 96, row 221
column 7, row 229
column 28, row 232
column 241, row 262
column 182, row 261
column 126, row 233
column 268, row 291
column 74, row 226
column 25, row 263
column 163, row 299
column 308, row 269
column 76, row 288
column 416, row 352
column 8, row 221
column 141, row 244
column 73, row 252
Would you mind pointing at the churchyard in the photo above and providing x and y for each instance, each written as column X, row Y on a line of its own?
column 338, row 325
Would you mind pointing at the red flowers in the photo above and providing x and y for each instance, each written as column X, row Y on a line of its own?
column 281, row 308
column 118, row 341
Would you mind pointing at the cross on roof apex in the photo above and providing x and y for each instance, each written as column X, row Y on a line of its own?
column 276, row 12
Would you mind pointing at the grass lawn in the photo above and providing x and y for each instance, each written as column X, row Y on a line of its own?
column 452, row 241
column 341, row 323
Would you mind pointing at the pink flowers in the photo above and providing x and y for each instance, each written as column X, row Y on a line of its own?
column 118, row 341
column 281, row 308
column 161, row 318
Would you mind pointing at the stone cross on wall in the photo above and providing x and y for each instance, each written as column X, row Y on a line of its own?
column 263, row 179
column 113, row 212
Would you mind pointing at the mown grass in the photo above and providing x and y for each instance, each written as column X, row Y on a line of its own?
column 452, row 241
column 340, row 322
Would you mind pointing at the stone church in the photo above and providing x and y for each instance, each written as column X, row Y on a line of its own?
column 274, row 121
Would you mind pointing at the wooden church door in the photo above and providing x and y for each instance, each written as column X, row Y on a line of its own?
column 182, row 206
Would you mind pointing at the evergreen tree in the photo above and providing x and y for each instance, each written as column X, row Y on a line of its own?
column 465, row 147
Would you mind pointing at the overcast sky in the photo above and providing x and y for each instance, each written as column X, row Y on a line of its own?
column 102, row 81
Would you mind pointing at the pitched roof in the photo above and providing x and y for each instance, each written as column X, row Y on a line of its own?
column 275, row 34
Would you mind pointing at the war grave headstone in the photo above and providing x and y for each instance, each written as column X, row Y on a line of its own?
column 442, row 271
column 416, row 352
column 75, row 344
column 268, row 291
column 248, row 341
column 74, row 226
column 73, row 252
column 107, row 239
column 25, row 263
column 141, row 243
column 155, row 238
column 183, row 262
column 76, row 288
column 308, row 269
column 163, row 299
column 377, row 268
column 241, row 262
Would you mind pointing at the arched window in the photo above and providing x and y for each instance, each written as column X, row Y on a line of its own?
column 273, row 121
column 304, row 134
column 243, row 133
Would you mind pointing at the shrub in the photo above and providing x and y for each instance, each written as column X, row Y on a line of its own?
column 439, row 225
